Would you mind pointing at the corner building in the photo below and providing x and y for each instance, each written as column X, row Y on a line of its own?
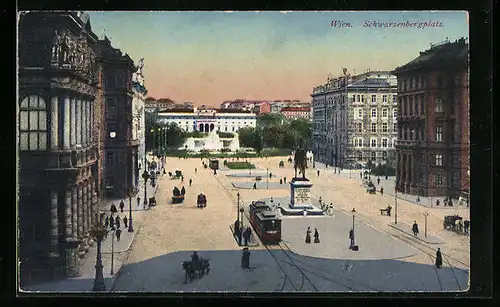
column 57, row 201
column 433, row 122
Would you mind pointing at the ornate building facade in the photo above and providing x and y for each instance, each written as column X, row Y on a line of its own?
column 119, row 139
column 433, row 126
column 57, row 201
column 354, row 119
column 139, row 121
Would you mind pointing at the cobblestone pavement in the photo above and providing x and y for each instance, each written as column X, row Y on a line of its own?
column 170, row 233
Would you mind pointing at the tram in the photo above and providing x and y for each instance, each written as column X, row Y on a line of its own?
column 265, row 222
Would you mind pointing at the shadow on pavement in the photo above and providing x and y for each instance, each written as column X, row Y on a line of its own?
column 165, row 274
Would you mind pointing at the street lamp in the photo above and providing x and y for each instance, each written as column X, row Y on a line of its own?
column 353, row 211
column 130, row 227
column 153, row 139
column 395, row 204
column 145, row 176
column 425, row 224
column 267, row 178
column 112, row 251
column 238, row 210
column 99, row 232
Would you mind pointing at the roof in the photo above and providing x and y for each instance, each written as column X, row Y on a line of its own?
column 438, row 54
column 267, row 215
column 295, row 109
column 372, row 83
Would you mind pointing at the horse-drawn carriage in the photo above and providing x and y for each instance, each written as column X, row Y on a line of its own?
column 178, row 195
column 452, row 222
column 282, row 164
column 201, row 201
column 370, row 188
column 195, row 269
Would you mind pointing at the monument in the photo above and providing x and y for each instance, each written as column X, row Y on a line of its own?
column 300, row 189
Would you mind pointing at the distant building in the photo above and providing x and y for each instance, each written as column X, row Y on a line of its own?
column 160, row 104
column 355, row 123
column 296, row 113
column 433, row 127
column 207, row 120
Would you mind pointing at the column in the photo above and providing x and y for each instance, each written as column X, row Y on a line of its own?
column 54, row 227
column 67, row 118
column 54, row 123
column 84, row 208
column 73, row 123
column 77, row 121
column 68, row 207
column 74, row 213
column 89, row 124
column 88, row 199
column 93, row 209
column 80, row 211
column 85, row 123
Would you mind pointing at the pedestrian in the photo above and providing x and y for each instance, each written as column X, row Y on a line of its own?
column 466, row 226
column 245, row 236
column 138, row 201
column 249, row 233
column 450, row 202
column 117, row 221
column 378, row 181
column 326, row 166
column 183, row 191
column 255, row 186
column 284, row 180
column 308, row 235
column 381, row 191
column 182, row 178
column 351, row 238
column 439, row 259
column 320, row 201
column 316, row 235
column 190, row 181
column 195, row 170
column 361, row 175
column 122, row 204
column 415, row 228
column 245, row 259
column 118, row 233
column 445, row 202
column 106, row 222
column 270, row 175
column 386, row 177
column 437, row 202
column 281, row 181
column 113, row 209
column 318, row 172
column 125, row 222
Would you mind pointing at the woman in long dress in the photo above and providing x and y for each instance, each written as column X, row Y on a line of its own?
column 316, row 235
column 439, row 259
column 308, row 235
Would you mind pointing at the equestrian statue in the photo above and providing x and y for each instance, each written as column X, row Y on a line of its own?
column 300, row 161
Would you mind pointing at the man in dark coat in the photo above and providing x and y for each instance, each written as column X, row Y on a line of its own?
column 125, row 222
column 118, row 233
column 439, row 259
column 122, row 204
column 190, row 181
column 318, row 172
column 113, row 209
column 117, row 221
column 308, row 235
column 255, row 186
column 316, row 235
column 281, row 181
column 381, row 191
column 240, row 235
column 378, row 181
column 245, row 259
column 466, row 226
column 246, row 236
column 415, row 228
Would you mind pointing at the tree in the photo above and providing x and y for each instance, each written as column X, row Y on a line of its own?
column 175, row 135
column 270, row 119
column 303, row 128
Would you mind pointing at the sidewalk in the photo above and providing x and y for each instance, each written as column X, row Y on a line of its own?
column 126, row 237
column 252, row 242
column 403, row 227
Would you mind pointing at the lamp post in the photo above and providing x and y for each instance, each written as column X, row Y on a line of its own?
column 159, row 141
column 425, row 224
column 395, row 204
column 267, row 178
column 353, row 211
column 130, row 227
column 99, row 232
column 145, row 176
column 153, row 139
column 238, row 210
column 113, row 252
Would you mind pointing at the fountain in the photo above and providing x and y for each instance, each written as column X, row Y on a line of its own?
column 212, row 142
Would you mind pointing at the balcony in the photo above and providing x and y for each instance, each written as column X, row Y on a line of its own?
column 407, row 143
column 71, row 159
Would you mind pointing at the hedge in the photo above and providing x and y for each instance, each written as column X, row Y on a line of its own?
column 239, row 165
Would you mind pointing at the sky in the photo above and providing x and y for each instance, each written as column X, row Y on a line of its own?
column 210, row 57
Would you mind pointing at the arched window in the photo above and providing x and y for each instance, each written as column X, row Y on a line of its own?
column 33, row 123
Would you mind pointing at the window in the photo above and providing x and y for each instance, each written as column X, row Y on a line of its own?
column 394, row 99
column 373, row 155
column 384, row 142
column 374, row 112
column 373, row 142
column 384, row 113
column 413, row 83
column 374, row 98
column 33, row 123
column 410, row 112
column 358, row 98
column 360, row 113
column 362, row 98
column 374, row 127
column 395, row 128
column 438, row 180
column 439, row 133
column 439, row 160
column 360, row 155
column 395, row 112
column 384, row 127
column 439, row 105
column 384, row 155
column 360, row 127
column 384, row 98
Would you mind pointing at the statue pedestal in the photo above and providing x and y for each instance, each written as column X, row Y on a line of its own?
column 300, row 194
